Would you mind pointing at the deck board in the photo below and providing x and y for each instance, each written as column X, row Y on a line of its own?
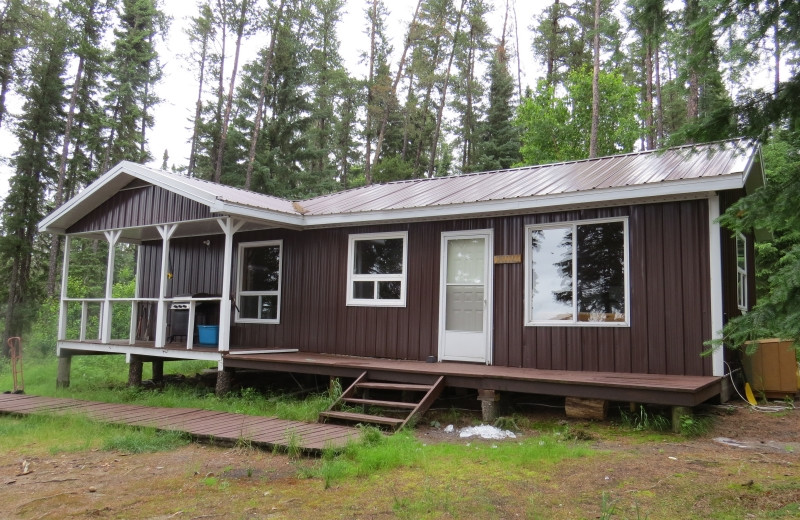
column 673, row 390
column 223, row 426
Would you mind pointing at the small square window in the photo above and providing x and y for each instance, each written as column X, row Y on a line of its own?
column 376, row 269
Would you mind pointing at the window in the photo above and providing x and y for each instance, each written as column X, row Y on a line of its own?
column 577, row 273
column 376, row 269
column 741, row 272
column 259, row 295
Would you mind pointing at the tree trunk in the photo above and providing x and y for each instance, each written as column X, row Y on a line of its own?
column 229, row 103
column 262, row 94
column 595, row 83
column 370, row 81
column 198, row 108
column 519, row 62
column 660, row 110
column 432, row 164
column 55, row 239
column 385, row 115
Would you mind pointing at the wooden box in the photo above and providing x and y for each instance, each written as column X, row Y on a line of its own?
column 772, row 369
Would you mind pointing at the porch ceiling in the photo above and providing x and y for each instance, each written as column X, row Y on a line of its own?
column 191, row 228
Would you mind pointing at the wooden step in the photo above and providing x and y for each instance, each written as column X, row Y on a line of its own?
column 362, row 417
column 394, row 386
column 384, row 404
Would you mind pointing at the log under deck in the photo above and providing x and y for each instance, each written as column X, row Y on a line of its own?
column 670, row 390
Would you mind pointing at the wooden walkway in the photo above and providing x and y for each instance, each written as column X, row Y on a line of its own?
column 201, row 424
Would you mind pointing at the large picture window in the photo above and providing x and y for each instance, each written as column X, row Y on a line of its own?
column 259, row 294
column 577, row 273
column 376, row 269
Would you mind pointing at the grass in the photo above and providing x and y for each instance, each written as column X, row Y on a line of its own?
column 42, row 434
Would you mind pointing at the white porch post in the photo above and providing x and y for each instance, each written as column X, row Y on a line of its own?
column 62, row 308
column 166, row 233
column 229, row 227
column 715, row 264
column 136, row 294
column 105, row 331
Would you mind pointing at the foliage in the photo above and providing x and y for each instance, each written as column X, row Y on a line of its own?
column 644, row 420
column 556, row 128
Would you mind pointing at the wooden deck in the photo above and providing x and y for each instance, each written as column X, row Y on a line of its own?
column 659, row 389
column 202, row 424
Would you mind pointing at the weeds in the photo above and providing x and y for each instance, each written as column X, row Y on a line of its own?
column 643, row 420
column 145, row 440
column 692, row 426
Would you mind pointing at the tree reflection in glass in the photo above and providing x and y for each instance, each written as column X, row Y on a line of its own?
column 378, row 256
column 551, row 274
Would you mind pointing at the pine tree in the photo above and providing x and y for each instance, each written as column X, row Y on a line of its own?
column 201, row 32
column 132, row 74
column 501, row 145
column 38, row 131
column 86, row 19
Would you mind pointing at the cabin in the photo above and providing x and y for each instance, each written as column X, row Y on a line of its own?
column 595, row 279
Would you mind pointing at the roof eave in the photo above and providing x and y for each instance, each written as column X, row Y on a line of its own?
column 695, row 188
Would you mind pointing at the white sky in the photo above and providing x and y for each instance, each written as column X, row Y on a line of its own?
column 178, row 87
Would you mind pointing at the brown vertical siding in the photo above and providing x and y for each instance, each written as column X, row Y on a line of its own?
column 140, row 206
column 669, row 307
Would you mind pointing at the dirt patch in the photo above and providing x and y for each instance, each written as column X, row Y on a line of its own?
column 633, row 475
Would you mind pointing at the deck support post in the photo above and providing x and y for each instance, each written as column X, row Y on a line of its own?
column 678, row 413
column 64, row 368
column 224, row 381
column 135, row 366
column 158, row 370
column 490, row 402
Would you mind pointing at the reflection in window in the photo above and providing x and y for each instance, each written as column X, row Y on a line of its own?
column 259, row 281
column 577, row 281
column 376, row 269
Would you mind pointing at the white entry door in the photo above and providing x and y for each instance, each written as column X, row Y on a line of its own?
column 465, row 297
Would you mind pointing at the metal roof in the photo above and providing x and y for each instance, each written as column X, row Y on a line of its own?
column 676, row 172
column 710, row 161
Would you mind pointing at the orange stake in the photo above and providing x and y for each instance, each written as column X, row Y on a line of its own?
column 15, row 351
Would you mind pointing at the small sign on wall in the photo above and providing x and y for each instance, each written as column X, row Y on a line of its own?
column 507, row 259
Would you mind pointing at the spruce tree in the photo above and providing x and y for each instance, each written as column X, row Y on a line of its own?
column 38, row 131
column 132, row 74
column 501, row 145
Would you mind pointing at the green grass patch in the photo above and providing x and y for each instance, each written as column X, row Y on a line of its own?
column 41, row 434
column 377, row 453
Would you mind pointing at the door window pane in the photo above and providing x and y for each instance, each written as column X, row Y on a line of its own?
column 464, row 308
column 465, row 261
column 551, row 274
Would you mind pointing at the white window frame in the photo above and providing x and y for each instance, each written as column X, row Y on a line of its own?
column 741, row 274
column 352, row 277
column 529, row 322
column 240, row 292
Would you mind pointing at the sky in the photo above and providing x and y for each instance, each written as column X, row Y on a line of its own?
column 178, row 86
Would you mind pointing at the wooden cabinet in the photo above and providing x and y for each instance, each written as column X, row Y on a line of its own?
column 772, row 369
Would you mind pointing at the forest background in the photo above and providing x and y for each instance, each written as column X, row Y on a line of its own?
column 290, row 116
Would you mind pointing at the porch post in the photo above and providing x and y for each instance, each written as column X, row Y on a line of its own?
column 166, row 233
column 105, row 332
column 717, row 306
column 62, row 308
column 229, row 227
column 136, row 294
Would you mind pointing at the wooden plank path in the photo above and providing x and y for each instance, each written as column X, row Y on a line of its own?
column 201, row 424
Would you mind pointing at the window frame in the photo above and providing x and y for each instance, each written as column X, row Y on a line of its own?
column 352, row 277
column 742, row 299
column 529, row 322
column 240, row 292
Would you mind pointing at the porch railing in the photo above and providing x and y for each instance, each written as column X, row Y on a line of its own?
column 96, row 320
